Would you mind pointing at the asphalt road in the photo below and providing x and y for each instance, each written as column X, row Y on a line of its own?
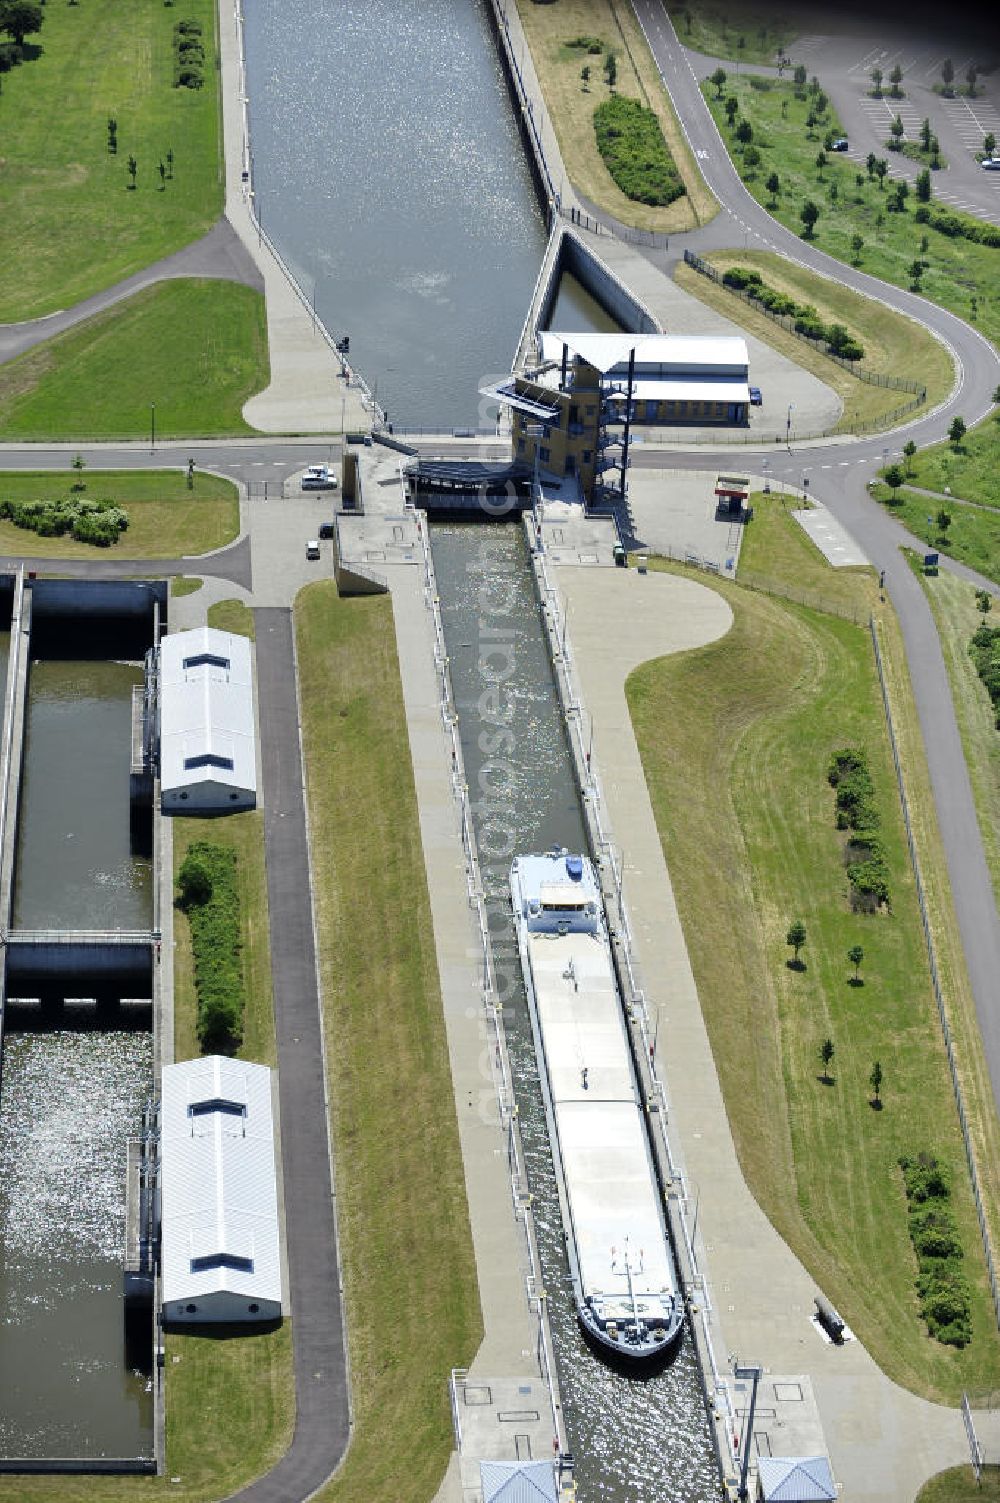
column 322, row 1401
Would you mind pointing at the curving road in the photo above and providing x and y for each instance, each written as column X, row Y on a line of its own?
column 838, row 477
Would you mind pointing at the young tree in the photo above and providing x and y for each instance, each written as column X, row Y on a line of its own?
column 957, row 430
column 796, row 937
column 826, row 1053
column 947, row 74
column 112, row 135
column 809, row 213
column 989, row 143
column 744, row 132
column 820, row 103
column 856, row 955
column 820, row 161
column 971, row 74
column 923, row 186
column 610, row 69
column 871, row 163
column 800, row 75
column 935, row 153
column 857, row 246
column 773, row 186
column 943, row 520
column 718, row 78
column 925, row 134
column 893, row 478
column 170, row 161
column 916, row 272
column 881, row 168
column 20, row 19
column 876, row 78
column 751, row 156
column 875, row 1081
column 896, row 78
column 984, row 601
column 79, row 465
column 585, row 75
column 732, row 109
column 909, row 450
column 163, row 175
column 133, row 168
column 896, row 132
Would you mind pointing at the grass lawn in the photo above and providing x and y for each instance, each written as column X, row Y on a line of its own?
column 232, row 615
column 969, row 468
column 779, row 557
column 548, row 30
column 785, row 688
column 410, row 1281
column 960, row 275
column 959, row 1485
column 893, row 344
column 718, row 29
column 183, row 584
column 195, row 349
column 165, row 518
column 954, row 605
column 973, row 536
column 61, row 190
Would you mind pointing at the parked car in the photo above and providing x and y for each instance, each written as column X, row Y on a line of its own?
column 312, row 548
column 319, row 477
column 756, row 398
column 840, row 144
column 991, row 164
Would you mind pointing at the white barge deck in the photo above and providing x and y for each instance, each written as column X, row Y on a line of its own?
column 621, row 1262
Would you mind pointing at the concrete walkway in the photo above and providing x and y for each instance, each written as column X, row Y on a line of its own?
column 308, row 391
column 883, row 1442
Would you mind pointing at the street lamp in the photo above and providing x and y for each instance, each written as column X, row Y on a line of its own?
column 767, row 478
column 152, row 427
column 788, row 426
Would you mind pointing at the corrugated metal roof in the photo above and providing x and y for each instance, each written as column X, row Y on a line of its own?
column 219, row 1192
column 687, row 352
column 206, row 710
column 796, row 1479
column 517, row 1481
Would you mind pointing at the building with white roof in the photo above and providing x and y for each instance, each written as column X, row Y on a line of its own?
column 208, row 753
column 220, row 1239
column 574, row 409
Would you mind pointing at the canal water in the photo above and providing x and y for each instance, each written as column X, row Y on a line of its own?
column 75, row 865
column 576, row 311
column 68, row 1384
column 635, row 1440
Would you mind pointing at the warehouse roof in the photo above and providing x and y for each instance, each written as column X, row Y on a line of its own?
column 206, row 710
column 605, row 352
column 219, row 1193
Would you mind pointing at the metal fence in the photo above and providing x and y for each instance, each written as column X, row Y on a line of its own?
column 936, row 983
column 870, row 377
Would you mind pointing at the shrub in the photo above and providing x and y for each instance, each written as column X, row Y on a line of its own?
column 214, row 921
column 587, row 44
column 631, row 144
column 806, row 319
column 189, row 78
column 984, row 649
column 857, row 811
column 98, row 522
column 945, row 1297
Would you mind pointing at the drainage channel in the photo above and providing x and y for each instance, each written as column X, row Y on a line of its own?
column 633, row 1439
column 77, row 1060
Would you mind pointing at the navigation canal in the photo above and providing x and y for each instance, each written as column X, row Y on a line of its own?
column 635, row 1440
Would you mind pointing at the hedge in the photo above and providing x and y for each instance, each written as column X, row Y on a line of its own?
column 631, row 143
column 867, row 869
column 807, row 321
column 209, row 896
column 984, row 649
column 945, row 1301
column 98, row 522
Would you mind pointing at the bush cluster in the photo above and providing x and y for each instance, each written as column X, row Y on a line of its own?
column 99, row 522
column 984, row 649
column 189, row 55
column 945, row 1300
column 209, row 895
column 956, row 226
column 631, row 143
column 587, row 44
column 807, row 321
column 867, row 869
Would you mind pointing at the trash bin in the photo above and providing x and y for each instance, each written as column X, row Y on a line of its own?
column 620, row 556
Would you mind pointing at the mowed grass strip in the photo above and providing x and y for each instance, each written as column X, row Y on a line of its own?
column 71, row 225
column 736, row 740
column 959, row 275
column 411, row 1291
column 166, row 520
column 893, row 344
column 968, row 469
column 972, row 536
column 549, row 31
column 234, row 616
column 958, row 1485
column 195, row 349
column 779, row 557
column 742, row 31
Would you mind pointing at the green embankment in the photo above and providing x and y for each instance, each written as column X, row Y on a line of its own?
column 970, row 468
column 739, row 29
column 959, row 1485
column 736, row 740
column 410, row 1281
column 958, row 274
column 193, row 350
column 972, row 535
column 165, row 518
column 71, row 224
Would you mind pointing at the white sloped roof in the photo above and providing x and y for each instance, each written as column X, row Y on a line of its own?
column 796, row 1479
column 206, row 710
column 219, row 1193
column 687, row 351
column 517, row 1481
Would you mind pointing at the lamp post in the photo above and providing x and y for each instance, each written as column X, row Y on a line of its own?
column 742, row 1373
column 788, row 426
column 767, row 478
column 152, row 427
